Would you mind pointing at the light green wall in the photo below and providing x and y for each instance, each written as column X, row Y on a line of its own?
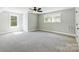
column 32, row 22
column 67, row 24
column 4, row 22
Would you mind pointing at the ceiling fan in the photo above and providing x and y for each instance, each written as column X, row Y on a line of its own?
column 36, row 9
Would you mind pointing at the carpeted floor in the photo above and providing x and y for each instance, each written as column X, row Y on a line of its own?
column 37, row 42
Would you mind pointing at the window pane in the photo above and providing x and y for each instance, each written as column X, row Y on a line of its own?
column 56, row 18
column 48, row 19
column 13, row 20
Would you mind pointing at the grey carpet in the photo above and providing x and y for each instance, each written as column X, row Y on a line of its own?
column 37, row 42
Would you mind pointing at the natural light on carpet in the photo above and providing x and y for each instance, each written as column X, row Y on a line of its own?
column 16, row 33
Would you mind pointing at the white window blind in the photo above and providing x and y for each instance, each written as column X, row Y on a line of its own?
column 53, row 18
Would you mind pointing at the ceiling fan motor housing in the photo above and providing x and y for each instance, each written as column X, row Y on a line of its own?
column 35, row 9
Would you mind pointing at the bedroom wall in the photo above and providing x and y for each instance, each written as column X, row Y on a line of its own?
column 32, row 22
column 67, row 24
column 25, row 22
column 4, row 22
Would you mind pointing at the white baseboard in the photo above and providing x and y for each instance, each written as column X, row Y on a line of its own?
column 7, row 32
column 73, row 35
column 77, row 39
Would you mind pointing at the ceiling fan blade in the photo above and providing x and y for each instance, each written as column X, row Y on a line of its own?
column 31, row 9
column 39, row 10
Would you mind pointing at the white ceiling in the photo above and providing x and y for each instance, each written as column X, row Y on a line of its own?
column 14, row 9
column 25, row 9
column 50, row 9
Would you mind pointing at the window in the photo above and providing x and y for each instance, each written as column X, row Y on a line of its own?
column 13, row 21
column 55, row 18
column 48, row 19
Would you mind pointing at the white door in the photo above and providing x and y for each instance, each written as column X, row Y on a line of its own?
column 77, row 24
